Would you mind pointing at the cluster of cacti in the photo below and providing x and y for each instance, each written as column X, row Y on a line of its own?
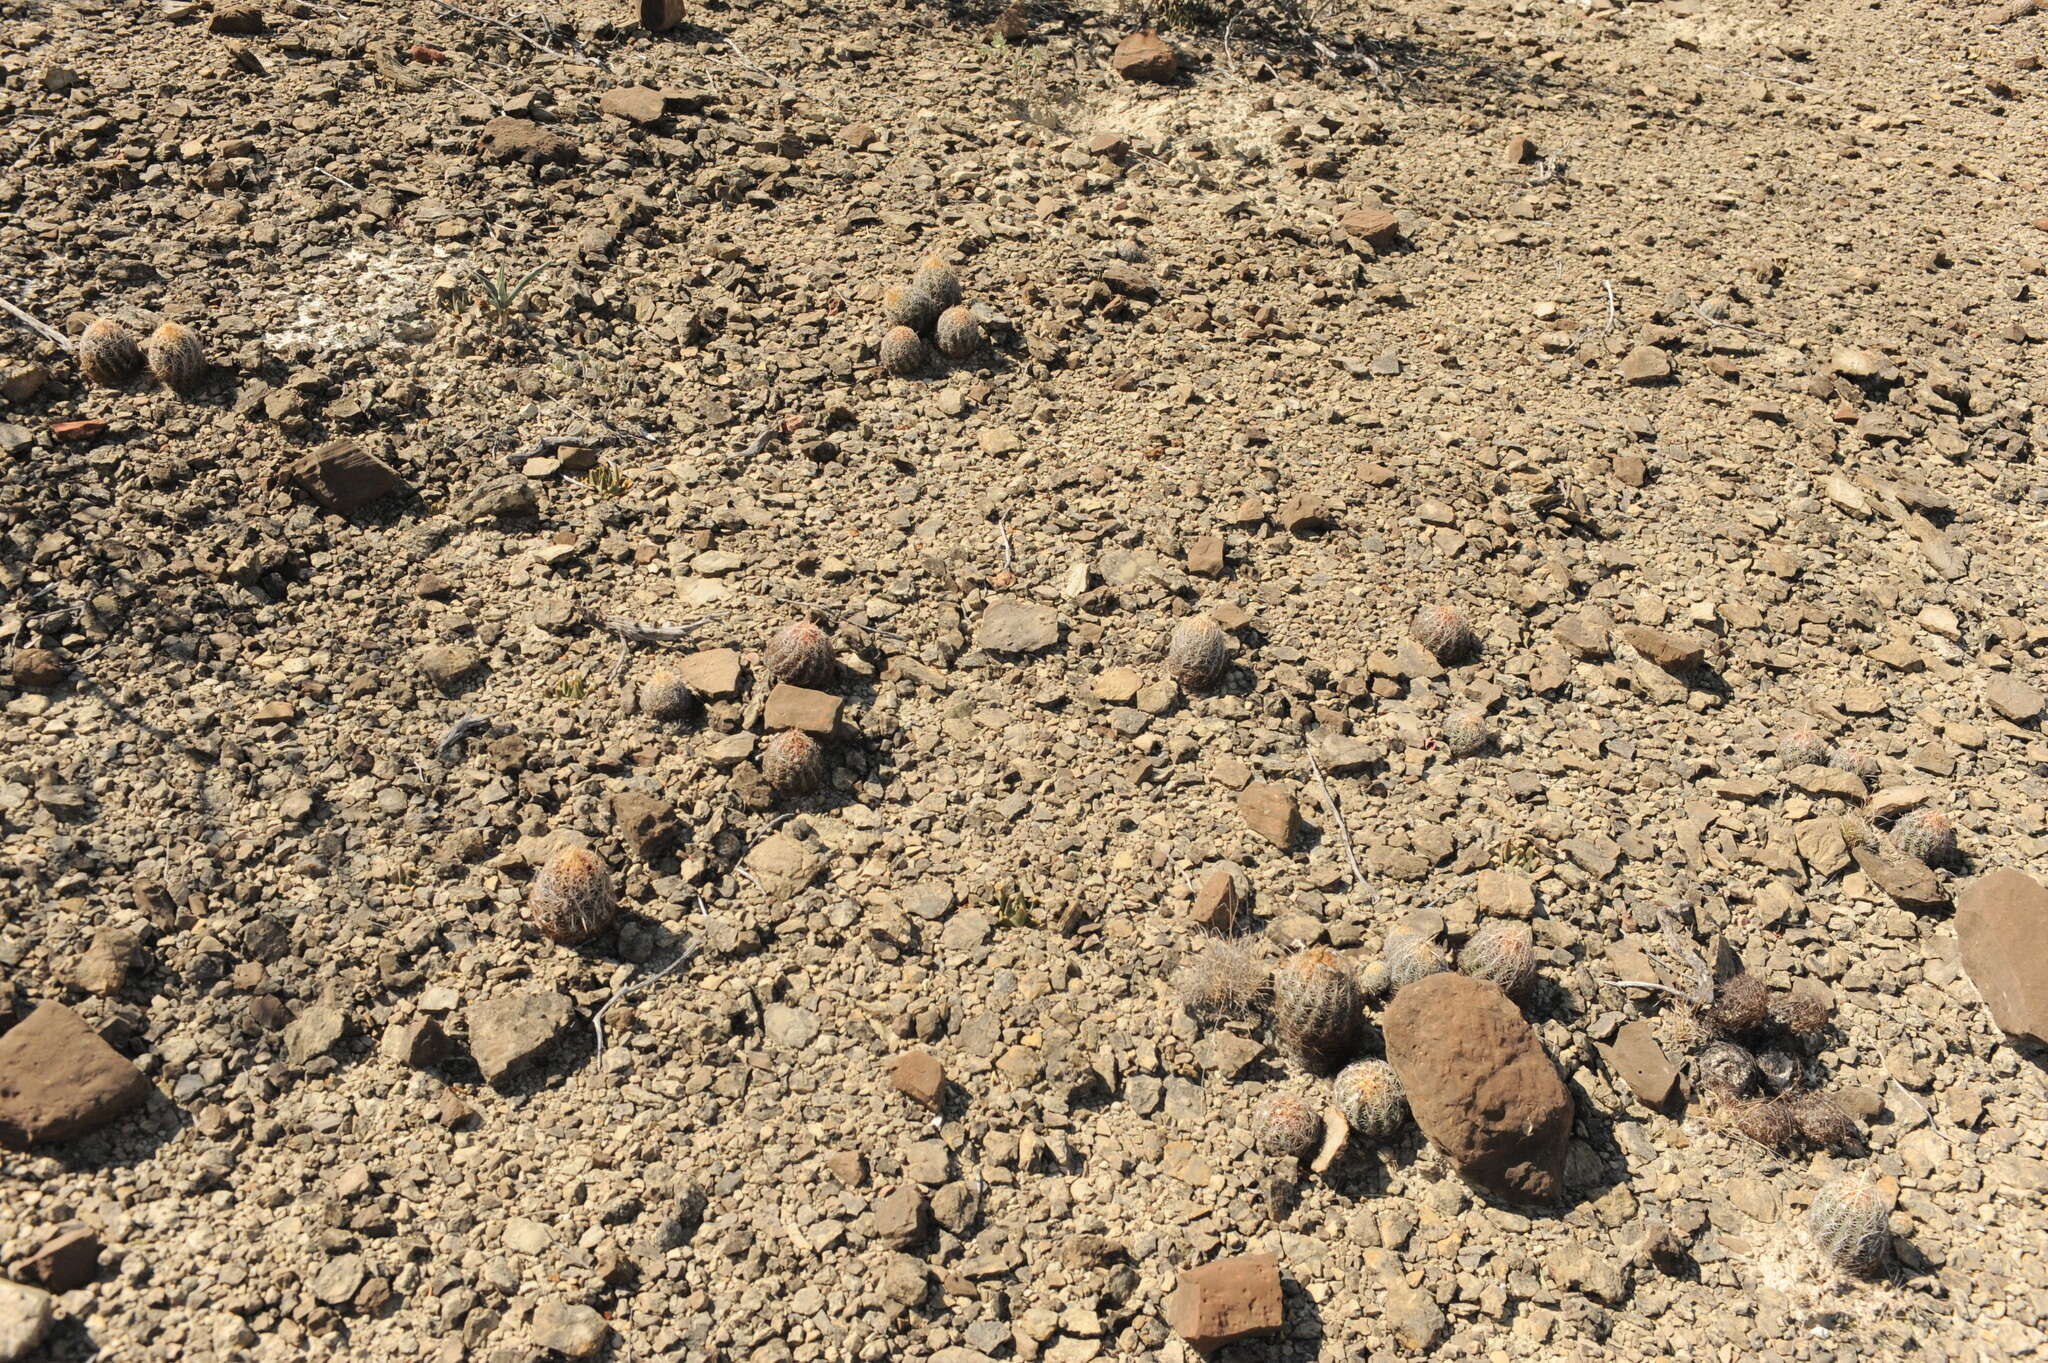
column 1226, row 977
column 1503, row 950
column 1927, row 836
column 1850, row 1222
column 800, row 653
column 1318, row 1018
column 1466, row 733
column 1369, row 1094
column 1444, row 631
column 571, row 900
column 1285, row 1124
column 1197, row 653
column 111, row 357
column 1752, row 1071
column 928, row 306
column 1411, row 956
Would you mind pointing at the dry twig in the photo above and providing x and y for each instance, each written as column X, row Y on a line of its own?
column 628, row 990
column 46, row 332
column 1336, row 817
column 523, row 37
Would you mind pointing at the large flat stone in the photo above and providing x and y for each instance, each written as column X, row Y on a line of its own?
column 509, row 1033
column 1226, row 1301
column 2002, row 928
column 59, row 1079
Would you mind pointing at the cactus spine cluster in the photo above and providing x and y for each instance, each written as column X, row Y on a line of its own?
column 1503, row 951
column 793, row 763
column 174, row 355
column 571, row 900
column 1318, row 1020
column 1197, row 653
column 1850, row 1222
column 108, row 354
column 1444, row 631
column 1284, row 1124
column 799, row 653
column 1370, row 1096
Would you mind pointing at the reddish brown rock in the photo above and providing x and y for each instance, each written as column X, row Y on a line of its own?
column 515, row 139
column 1480, row 1084
column 918, row 1076
column 1216, row 903
column 38, row 669
column 1375, row 226
column 71, row 1260
column 58, row 1079
column 2002, row 928
column 712, row 672
column 1145, row 56
column 1641, row 1063
column 344, row 477
column 1270, row 812
column 1226, row 1301
column 799, row 707
column 1672, row 652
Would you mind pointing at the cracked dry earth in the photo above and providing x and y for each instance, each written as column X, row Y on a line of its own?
column 1690, row 350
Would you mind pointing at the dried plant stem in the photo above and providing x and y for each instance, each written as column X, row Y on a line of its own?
column 46, row 332
column 631, row 988
column 1336, row 817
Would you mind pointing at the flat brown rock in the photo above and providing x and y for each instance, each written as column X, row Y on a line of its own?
column 2002, row 928
column 1145, row 56
column 1226, row 1301
column 1641, row 1063
column 344, row 477
column 516, row 139
column 713, row 672
column 59, row 1079
column 1672, row 652
column 1269, row 811
column 1480, row 1084
column 2012, row 698
column 799, row 707
column 918, row 1076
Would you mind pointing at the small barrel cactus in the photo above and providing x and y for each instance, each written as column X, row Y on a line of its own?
column 908, row 306
column 1503, row 951
column 1318, row 1020
column 1803, row 748
column 1373, row 979
column 1740, row 1003
column 938, row 279
column 1197, row 653
column 1370, row 1096
column 1856, row 762
column 1226, row 976
column 1726, row 1068
column 1801, row 1014
column 799, row 653
column 793, row 763
column 1465, row 734
column 1284, row 1124
column 1444, row 631
column 1926, row 835
column 959, row 334
column 1410, row 956
column 571, row 900
column 174, row 355
column 904, row 352
column 1850, row 1222
column 665, row 696
column 108, row 354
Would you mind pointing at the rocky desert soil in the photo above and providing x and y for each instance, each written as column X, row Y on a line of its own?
column 1689, row 351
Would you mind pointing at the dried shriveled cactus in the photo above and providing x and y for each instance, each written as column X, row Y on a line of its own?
column 1850, row 1222
column 1197, row 653
column 571, row 900
column 1284, row 1124
column 1801, row 1014
column 1444, row 631
column 904, row 352
column 1726, row 1068
column 175, row 356
column 1803, row 748
column 959, row 333
column 1226, row 976
column 108, row 354
column 793, row 763
column 799, row 653
column 1766, row 1121
column 1503, row 950
column 1318, row 1020
column 1740, row 1003
column 1926, row 835
column 1369, row 1094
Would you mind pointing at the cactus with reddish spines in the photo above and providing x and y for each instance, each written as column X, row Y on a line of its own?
column 1503, row 950
column 1370, row 1096
column 571, row 900
column 1444, row 631
column 108, row 354
column 1850, row 1223
column 800, row 653
column 1197, row 653
column 904, row 352
column 959, row 333
column 793, row 763
column 1856, row 762
column 1284, row 1124
column 1803, row 748
column 665, row 696
column 175, row 356
column 1318, row 1020
column 938, row 279
column 1926, row 835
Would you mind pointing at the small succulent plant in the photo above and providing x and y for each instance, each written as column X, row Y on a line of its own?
column 1803, row 748
column 1444, row 631
column 938, row 279
column 799, row 653
column 1410, row 956
column 1284, row 1124
column 959, row 333
column 1465, row 734
column 1926, row 835
column 1740, row 1003
column 1850, row 1222
column 1503, row 950
column 1856, row 762
column 1318, row 1020
column 1370, row 1096
column 1226, row 977
column 175, row 356
column 665, row 696
column 571, row 900
column 1726, row 1068
column 108, row 354
column 904, row 352
column 1373, row 979
column 905, row 305
column 1197, row 653
column 793, row 763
